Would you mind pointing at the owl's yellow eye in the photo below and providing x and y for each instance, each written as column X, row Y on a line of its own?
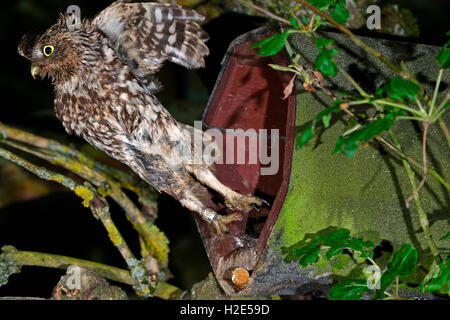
column 48, row 50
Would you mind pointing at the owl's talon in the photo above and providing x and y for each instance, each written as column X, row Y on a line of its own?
column 243, row 202
column 238, row 210
column 220, row 223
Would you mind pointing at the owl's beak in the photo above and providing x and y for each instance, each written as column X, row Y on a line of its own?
column 34, row 70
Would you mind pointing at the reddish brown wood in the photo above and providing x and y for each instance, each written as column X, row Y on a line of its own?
column 248, row 95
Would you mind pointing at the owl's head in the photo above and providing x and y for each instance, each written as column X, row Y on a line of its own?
column 56, row 52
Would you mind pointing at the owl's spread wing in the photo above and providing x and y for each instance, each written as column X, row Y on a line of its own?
column 144, row 35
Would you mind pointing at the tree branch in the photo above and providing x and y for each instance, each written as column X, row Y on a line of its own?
column 90, row 199
column 30, row 258
column 103, row 177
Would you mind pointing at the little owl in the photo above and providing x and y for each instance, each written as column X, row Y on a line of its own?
column 103, row 76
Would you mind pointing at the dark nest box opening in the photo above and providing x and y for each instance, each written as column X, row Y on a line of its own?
column 248, row 96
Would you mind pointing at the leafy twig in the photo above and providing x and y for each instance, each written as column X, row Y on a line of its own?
column 422, row 214
column 263, row 11
column 354, row 38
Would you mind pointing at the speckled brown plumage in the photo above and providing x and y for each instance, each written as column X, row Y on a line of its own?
column 102, row 72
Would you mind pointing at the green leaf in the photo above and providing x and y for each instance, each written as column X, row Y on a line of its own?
column 294, row 23
column 308, row 257
column 321, row 4
column 340, row 14
column 380, row 92
column 322, row 43
column 325, row 64
column 305, row 20
column 386, row 279
column 349, row 144
column 444, row 58
column 403, row 263
column 305, row 136
column 326, row 120
column 334, row 242
column 336, row 237
column 365, row 247
column 398, row 89
column 340, row 4
column 271, row 45
column 261, row 43
column 447, row 236
column 308, row 254
column 404, row 260
column 437, row 278
column 325, row 114
column 340, row 239
column 351, row 289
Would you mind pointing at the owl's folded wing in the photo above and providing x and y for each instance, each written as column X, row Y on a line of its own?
column 144, row 35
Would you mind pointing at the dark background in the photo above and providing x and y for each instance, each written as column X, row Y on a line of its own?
column 40, row 216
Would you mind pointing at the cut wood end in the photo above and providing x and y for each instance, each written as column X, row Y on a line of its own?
column 240, row 277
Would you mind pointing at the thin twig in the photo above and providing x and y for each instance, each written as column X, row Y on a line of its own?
column 424, row 159
column 354, row 38
column 264, row 11
column 423, row 219
column 413, row 161
column 436, row 90
column 353, row 82
column 444, row 130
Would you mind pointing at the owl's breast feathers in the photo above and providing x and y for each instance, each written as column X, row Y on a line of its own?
column 109, row 107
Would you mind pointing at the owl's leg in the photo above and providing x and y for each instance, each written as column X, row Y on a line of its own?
column 232, row 198
column 190, row 201
column 180, row 185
